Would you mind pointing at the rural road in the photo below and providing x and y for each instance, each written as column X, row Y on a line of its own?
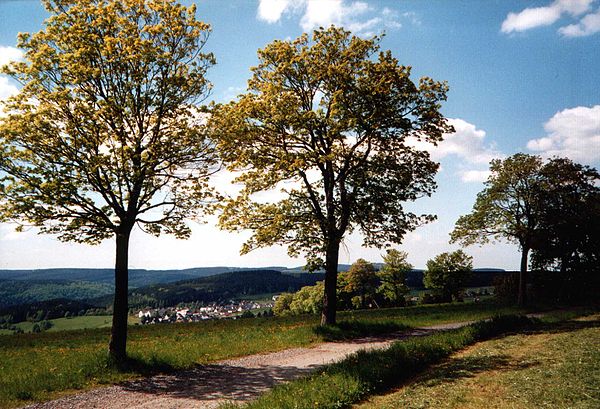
column 239, row 379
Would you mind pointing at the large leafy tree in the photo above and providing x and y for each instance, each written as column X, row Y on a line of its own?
column 508, row 208
column 448, row 273
column 568, row 238
column 104, row 135
column 330, row 115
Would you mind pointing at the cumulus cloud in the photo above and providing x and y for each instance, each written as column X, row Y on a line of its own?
column 467, row 142
column 469, row 145
column 8, row 54
column 356, row 16
column 574, row 133
column 478, row 176
column 7, row 89
column 533, row 17
column 588, row 25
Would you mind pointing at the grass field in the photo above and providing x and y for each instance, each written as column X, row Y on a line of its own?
column 73, row 323
column 41, row 366
column 552, row 368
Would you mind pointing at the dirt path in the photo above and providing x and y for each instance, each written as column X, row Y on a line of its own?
column 237, row 379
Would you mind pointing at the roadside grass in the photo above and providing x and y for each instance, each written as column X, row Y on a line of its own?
column 553, row 367
column 35, row 367
column 366, row 372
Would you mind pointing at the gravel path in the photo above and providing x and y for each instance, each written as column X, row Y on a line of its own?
column 238, row 379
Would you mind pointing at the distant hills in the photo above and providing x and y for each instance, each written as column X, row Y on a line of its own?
column 94, row 287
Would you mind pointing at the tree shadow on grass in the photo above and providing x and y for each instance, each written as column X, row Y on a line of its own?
column 345, row 330
column 455, row 369
column 217, row 382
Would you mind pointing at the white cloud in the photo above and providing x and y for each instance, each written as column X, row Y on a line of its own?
column 8, row 54
column 574, row 133
column 272, row 10
column 356, row 16
column 469, row 176
column 467, row 142
column 7, row 89
column 543, row 16
column 588, row 25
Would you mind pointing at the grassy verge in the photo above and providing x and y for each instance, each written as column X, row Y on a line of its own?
column 364, row 373
column 554, row 367
column 37, row 367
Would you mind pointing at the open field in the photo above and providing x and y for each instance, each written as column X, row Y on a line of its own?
column 40, row 366
column 73, row 323
column 552, row 368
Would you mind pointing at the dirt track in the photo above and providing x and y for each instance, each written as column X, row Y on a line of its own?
column 237, row 379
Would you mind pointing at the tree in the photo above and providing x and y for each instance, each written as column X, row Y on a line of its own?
column 104, row 134
column 567, row 254
column 282, row 304
column 361, row 279
column 448, row 274
column 393, row 276
column 508, row 208
column 328, row 120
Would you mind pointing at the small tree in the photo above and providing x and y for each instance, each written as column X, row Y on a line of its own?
column 393, row 276
column 282, row 304
column 104, row 134
column 508, row 208
column 332, row 115
column 362, row 280
column 448, row 273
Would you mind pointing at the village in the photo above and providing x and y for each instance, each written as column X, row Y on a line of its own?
column 231, row 310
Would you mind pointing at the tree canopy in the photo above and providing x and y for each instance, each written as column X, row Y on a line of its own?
column 393, row 276
column 448, row 274
column 104, row 133
column 327, row 119
column 508, row 208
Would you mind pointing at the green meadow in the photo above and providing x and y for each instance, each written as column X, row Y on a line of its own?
column 37, row 367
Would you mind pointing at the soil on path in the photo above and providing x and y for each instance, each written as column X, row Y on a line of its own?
column 239, row 379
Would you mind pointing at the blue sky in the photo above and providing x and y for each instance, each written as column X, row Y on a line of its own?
column 523, row 76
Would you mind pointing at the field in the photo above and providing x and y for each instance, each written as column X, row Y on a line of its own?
column 73, row 323
column 42, row 366
column 553, row 368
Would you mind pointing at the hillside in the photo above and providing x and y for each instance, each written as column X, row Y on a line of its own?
column 220, row 287
column 15, row 292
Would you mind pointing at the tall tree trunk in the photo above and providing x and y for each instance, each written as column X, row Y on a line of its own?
column 331, row 272
column 117, row 348
column 522, row 298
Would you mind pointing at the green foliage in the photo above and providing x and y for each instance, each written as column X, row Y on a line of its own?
column 508, row 207
column 567, row 249
column 281, row 308
column 393, row 276
column 105, row 133
column 112, row 124
column 448, row 273
column 361, row 280
column 331, row 114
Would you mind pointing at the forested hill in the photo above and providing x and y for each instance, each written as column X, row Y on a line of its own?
column 137, row 277
column 220, row 287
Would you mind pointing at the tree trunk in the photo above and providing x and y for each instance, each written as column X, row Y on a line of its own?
column 331, row 271
column 522, row 298
column 117, row 349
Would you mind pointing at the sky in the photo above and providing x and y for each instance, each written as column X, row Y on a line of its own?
column 523, row 75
